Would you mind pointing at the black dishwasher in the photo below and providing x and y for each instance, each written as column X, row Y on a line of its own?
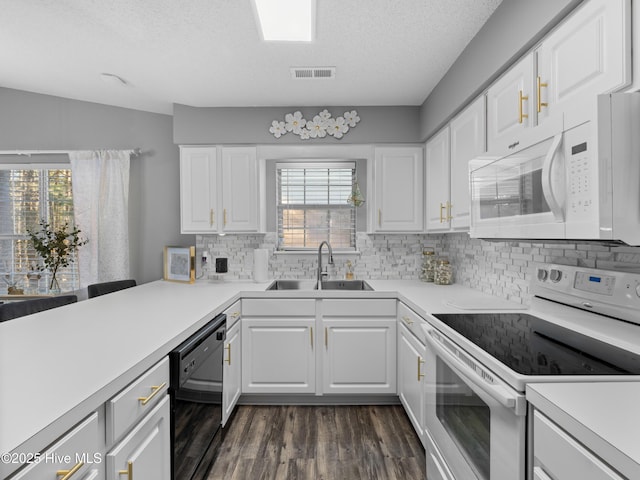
column 196, row 401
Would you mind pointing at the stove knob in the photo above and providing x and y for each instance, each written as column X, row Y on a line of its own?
column 555, row 276
column 638, row 290
column 542, row 274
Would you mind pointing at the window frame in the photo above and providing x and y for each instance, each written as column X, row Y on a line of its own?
column 309, row 164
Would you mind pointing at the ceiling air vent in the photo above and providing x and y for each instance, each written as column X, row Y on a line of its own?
column 309, row 73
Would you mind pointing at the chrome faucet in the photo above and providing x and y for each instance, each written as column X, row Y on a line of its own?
column 322, row 274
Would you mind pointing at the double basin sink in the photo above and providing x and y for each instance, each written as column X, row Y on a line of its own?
column 324, row 285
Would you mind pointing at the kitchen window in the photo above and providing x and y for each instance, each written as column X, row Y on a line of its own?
column 27, row 195
column 312, row 205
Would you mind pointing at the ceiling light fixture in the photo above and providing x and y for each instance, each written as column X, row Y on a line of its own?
column 286, row 20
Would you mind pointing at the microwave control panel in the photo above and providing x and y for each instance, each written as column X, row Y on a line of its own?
column 581, row 183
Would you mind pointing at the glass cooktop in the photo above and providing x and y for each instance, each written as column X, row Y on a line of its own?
column 532, row 346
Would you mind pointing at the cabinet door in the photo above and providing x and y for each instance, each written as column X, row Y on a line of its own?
column 232, row 371
column 411, row 355
column 437, row 181
column 239, row 189
column 359, row 355
column 197, row 190
column 398, row 196
column 278, row 356
column 145, row 452
column 588, row 54
column 509, row 106
column 468, row 133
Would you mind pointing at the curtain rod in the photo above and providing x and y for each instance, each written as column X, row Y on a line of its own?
column 134, row 151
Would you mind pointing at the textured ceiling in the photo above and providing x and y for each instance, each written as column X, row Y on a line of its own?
column 208, row 52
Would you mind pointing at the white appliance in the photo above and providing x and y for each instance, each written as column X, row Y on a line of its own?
column 577, row 183
column 478, row 365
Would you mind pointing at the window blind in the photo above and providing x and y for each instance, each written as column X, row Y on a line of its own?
column 312, row 205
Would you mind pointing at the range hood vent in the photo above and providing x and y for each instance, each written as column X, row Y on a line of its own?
column 311, row 73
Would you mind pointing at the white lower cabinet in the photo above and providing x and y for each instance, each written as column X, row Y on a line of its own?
column 411, row 355
column 558, row 456
column 78, row 454
column 232, row 371
column 145, row 451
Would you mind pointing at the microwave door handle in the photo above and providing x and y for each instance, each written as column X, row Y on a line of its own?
column 547, row 184
column 497, row 392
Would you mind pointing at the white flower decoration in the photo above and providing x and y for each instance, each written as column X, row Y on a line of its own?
column 351, row 118
column 305, row 134
column 325, row 115
column 295, row 122
column 337, row 127
column 277, row 128
column 317, row 127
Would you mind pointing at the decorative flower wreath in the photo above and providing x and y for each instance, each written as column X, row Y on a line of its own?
column 321, row 125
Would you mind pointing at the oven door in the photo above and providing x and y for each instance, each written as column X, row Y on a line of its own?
column 476, row 422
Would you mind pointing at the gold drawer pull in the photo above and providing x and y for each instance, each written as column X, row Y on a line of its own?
column 69, row 473
column 128, row 471
column 235, row 315
column 228, row 349
column 155, row 389
column 407, row 320
column 420, row 374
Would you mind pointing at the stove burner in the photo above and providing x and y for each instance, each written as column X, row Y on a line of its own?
column 532, row 346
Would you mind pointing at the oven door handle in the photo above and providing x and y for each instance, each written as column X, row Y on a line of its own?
column 497, row 392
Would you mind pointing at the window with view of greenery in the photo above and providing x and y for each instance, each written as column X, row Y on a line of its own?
column 28, row 195
column 312, row 205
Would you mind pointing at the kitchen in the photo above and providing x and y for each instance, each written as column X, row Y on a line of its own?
column 503, row 269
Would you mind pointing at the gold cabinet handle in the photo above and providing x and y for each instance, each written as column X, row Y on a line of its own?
column 379, row 217
column 521, row 114
column 539, row 85
column 69, row 473
column 311, row 336
column 224, row 217
column 326, row 338
column 211, row 217
column 449, row 217
column 228, row 349
column 407, row 320
column 420, row 374
column 128, row 471
column 235, row 315
column 442, row 207
column 154, row 391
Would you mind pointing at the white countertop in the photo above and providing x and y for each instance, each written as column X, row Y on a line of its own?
column 603, row 416
column 59, row 365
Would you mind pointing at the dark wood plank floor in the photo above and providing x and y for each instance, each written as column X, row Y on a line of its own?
column 320, row 443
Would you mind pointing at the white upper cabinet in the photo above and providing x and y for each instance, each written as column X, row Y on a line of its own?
column 239, row 189
column 219, row 190
column 198, row 179
column 468, row 141
column 510, row 103
column 588, row 54
column 398, row 193
column 437, row 181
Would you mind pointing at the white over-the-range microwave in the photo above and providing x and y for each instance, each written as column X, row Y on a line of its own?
column 578, row 182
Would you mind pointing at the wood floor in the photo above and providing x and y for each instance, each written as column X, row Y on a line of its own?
column 320, row 443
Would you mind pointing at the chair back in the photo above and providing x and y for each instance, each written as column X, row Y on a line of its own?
column 11, row 310
column 103, row 288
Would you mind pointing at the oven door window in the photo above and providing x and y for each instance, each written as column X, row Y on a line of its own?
column 465, row 417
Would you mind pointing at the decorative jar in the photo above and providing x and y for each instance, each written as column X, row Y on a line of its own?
column 428, row 265
column 444, row 273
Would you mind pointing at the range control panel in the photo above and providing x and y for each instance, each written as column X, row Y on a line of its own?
column 603, row 291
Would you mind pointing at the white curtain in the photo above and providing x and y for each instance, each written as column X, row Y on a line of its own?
column 100, row 182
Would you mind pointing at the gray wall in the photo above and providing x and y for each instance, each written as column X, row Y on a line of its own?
column 193, row 125
column 32, row 121
column 514, row 28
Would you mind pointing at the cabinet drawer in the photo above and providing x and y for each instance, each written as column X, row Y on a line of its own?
column 411, row 320
column 233, row 314
column 559, row 456
column 359, row 308
column 279, row 308
column 80, row 448
column 128, row 407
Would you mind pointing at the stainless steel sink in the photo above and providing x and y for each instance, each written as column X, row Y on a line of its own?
column 345, row 285
column 292, row 285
